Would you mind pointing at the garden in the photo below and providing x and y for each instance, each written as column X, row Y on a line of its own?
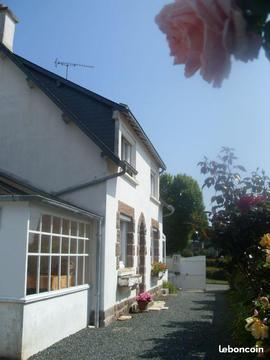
column 240, row 228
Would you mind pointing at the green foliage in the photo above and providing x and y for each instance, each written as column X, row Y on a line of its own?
column 240, row 218
column 184, row 194
column 256, row 14
column 240, row 307
column 215, row 273
column 226, row 179
column 186, row 253
column 169, row 285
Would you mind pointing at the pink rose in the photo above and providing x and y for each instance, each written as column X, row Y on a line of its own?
column 203, row 34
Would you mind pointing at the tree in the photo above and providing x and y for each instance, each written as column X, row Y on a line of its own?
column 184, row 193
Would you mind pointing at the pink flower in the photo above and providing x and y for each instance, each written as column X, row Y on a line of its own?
column 203, row 34
column 145, row 296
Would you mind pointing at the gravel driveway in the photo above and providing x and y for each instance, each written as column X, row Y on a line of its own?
column 192, row 328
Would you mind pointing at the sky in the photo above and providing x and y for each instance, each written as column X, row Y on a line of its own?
column 186, row 119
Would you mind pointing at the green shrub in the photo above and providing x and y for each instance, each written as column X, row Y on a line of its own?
column 168, row 285
column 240, row 307
column 215, row 273
column 187, row 253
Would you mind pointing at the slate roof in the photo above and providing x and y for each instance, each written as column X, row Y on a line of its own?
column 90, row 111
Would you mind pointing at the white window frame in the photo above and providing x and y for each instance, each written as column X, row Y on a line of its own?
column 126, row 151
column 164, row 254
column 154, row 186
column 124, row 223
column 126, row 137
column 59, row 255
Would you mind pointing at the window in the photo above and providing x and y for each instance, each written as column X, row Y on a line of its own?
column 155, row 245
column 124, row 225
column 154, row 184
column 126, row 152
column 58, row 251
column 164, row 248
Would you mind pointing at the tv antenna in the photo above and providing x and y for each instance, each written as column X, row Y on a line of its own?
column 68, row 64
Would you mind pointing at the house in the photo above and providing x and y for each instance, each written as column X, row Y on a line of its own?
column 81, row 218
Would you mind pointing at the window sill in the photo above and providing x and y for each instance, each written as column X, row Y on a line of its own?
column 131, row 180
column 155, row 200
column 56, row 293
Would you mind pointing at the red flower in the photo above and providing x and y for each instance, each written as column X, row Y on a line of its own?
column 248, row 201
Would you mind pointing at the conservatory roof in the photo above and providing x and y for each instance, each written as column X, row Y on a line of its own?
column 14, row 189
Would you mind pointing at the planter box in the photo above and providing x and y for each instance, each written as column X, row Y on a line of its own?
column 158, row 276
column 129, row 280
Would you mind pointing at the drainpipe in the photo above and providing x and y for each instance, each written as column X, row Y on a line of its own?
column 98, row 272
column 93, row 182
column 170, row 208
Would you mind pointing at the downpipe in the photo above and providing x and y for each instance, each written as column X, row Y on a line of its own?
column 98, row 272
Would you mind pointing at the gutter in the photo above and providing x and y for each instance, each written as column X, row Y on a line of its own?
column 52, row 202
column 70, row 189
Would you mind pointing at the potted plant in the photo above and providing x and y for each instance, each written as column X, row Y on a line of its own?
column 158, row 269
column 143, row 299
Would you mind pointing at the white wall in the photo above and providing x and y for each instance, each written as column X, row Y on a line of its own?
column 46, row 322
column 53, row 155
column 13, row 239
column 138, row 197
column 37, row 145
column 11, row 317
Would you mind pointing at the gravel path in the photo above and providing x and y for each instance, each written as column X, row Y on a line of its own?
column 192, row 328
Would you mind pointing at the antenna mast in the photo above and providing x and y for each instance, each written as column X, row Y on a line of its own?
column 68, row 64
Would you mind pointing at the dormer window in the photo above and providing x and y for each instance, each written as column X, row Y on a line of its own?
column 128, row 154
column 126, row 151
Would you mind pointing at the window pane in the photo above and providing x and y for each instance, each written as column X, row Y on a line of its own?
column 64, row 272
column 46, row 223
column 54, row 273
column 87, row 247
column 65, row 242
column 32, row 275
column 56, row 244
column 65, row 229
column 123, row 241
column 44, row 274
column 72, row 271
column 87, row 229
column 81, row 246
column 80, row 270
column 73, row 246
column 73, row 228
column 35, row 221
column 33, row 243
column 56, row 225
column 81, row 230
column 45, row 243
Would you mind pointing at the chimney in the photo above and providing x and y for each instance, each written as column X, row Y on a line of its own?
column 8, row 23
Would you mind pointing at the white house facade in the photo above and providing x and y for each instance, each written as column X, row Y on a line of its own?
column 80, row 214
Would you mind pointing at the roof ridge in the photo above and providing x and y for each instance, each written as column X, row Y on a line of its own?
column 71, row 84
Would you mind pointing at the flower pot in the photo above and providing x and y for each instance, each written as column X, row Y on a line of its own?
column 142, row 305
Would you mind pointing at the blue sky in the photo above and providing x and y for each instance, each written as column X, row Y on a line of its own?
column 185, row 118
